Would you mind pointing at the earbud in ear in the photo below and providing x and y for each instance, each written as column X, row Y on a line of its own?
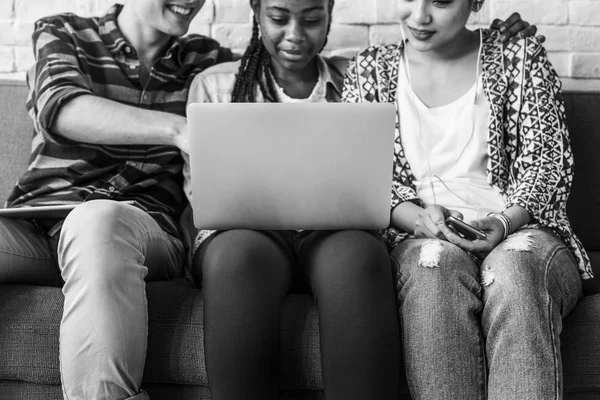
column 478, row 5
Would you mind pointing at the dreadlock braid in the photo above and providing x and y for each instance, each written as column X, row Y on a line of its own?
column 250, row 65
column 255, row 66
column 330, row 9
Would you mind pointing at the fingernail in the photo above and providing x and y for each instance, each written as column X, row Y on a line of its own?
column 502, row 28
column 502, row 39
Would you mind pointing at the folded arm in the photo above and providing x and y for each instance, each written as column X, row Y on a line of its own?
column 65, row 107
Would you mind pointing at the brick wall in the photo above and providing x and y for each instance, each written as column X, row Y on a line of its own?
column 572, row 28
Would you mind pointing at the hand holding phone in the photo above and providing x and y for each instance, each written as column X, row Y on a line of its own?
column 465, row 230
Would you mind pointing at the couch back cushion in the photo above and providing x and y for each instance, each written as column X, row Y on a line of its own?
column 583, row 114
column 16, row 132
column 583, row 117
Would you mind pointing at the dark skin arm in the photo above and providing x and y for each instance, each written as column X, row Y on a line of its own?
column 514, row 28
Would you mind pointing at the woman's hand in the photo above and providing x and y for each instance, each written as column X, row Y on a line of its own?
column 431, row 222
column 515, row 28
column 494, row 231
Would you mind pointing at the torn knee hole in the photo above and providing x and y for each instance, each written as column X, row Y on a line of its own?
column 430, row 254
column 488, row 275
column 520, row 241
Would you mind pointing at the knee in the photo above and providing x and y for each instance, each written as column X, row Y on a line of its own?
column 435, row 267
column 243, row 257
column 93, row 236
column 518, row 264
column 352, row 256
column 97, row 218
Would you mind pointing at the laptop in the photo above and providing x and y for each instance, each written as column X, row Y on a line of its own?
column 321, row 166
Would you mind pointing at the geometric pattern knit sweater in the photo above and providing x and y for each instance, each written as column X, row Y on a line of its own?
column 529, row 154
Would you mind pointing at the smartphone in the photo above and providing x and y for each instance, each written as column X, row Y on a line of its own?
column 465, row 230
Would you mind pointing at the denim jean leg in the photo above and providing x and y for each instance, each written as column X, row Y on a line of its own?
column 439, row 297
column 106, row 252
column 532, row 283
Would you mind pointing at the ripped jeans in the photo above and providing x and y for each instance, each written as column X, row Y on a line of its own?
column 489, row 331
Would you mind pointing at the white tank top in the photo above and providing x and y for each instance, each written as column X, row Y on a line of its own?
column 454, row 143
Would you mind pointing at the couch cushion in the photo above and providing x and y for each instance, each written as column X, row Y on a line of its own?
column 580, row 341
column 16, row 131
column 31, row 316
column 583, row 117
column 592, row 286
column 14, row 390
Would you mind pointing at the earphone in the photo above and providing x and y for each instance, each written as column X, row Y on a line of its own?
column 431, row 177
column 478, row 5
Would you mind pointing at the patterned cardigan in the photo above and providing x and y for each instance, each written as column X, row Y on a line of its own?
column 529, row 155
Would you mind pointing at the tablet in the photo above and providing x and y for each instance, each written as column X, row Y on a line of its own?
column 33, row 212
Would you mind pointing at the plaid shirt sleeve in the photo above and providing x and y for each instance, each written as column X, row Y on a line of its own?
column 56, row 77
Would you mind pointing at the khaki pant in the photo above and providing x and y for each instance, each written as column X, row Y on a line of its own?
column 106, row 252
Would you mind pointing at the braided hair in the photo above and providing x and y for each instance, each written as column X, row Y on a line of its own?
column 255, row 66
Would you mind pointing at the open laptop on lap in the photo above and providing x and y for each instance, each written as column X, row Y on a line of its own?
column 291, row 166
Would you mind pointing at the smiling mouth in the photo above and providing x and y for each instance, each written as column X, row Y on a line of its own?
column 421, row 34
column 295, row 54
column 179, row 10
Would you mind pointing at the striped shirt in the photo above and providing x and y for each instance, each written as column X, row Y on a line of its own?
column 77, row 56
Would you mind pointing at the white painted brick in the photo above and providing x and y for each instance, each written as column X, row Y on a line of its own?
column 200, row 29
column 206, row 14
column 348, row 36
column 347, row 52
column 233, row 11
column 235, row 36
column 586, row 39
column 6, row 9
column 31, row 10
column 346, row 12
column 23, row 31
column 482, row 17
column 364, row 11
column 239, row 51
column 557, row 37
column 385, row 11
column 572, row 27
column 561, row 63
column 7, row 34
column 581, row 85
column 585, row 65
column 17, row 76
column 95, row 7
column 384, row 34
column 7, row 59
column 23, row 58
column 584, row 12
column 547, row 12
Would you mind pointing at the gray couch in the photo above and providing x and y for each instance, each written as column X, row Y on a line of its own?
column 175, row 369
